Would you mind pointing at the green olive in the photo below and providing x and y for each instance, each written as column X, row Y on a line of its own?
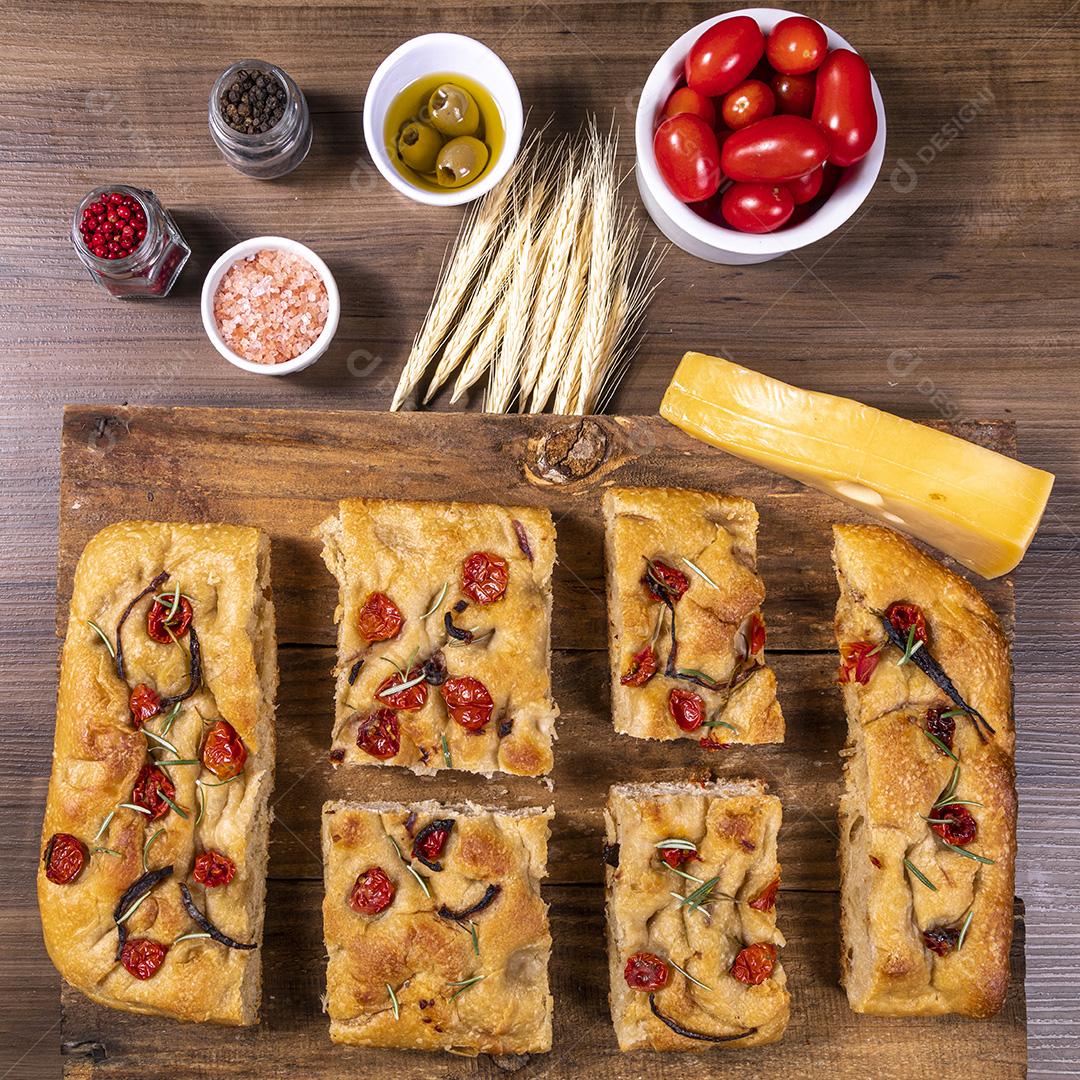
column 454, row 111
column 418, row 146
column 461, row 161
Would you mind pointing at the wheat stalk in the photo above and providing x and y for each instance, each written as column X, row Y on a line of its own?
column 506, row 367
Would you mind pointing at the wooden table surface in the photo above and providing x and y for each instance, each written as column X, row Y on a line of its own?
column 952, row 294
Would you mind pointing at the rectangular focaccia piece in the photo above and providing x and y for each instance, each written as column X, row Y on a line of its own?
column 457, row 597
column 682, row 568
column 715, row 846
column 437, row 936
column 926, row 927
column 142, row 807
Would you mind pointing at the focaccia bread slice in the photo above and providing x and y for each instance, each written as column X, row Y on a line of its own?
column 686, row 634
column 435, row 929
column 452, row 603
column 162, row 770
column 928, row 813
column 700, row 972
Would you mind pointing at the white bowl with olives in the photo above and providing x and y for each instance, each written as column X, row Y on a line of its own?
column 443, row 119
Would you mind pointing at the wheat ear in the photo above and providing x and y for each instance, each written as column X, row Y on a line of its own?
column 503, row 378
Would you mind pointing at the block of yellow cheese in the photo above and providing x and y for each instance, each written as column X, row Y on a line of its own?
column 978, row 506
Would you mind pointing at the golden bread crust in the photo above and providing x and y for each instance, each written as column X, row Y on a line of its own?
column 893, row 776
column 225, row 570
column 734, row 826
column 408, row 550
column 718, row 534
column 410, row 947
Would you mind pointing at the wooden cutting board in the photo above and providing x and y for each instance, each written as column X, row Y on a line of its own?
column 284, row 471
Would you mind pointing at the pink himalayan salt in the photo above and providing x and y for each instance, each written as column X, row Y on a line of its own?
column 271, row 306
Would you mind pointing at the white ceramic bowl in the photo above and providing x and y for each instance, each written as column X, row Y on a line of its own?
column 249, row 247
column 437, row 54
column 714, row 242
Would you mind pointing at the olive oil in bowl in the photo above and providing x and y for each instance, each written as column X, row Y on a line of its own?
column 444, row 132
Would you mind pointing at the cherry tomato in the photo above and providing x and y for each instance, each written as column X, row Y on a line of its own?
column 372, row 892
column 774, row 149
column 858, row 659
column 411, row 699
column 794, row 93
column 844, row 107
column 144, row 703
column 685, row 100
column 150, row 785
column 65, row 857
column 906, row 617
column 467, row 701
column 687, row 709
column 223, row 751
column 749, row 102
column 757, row 208
column 156, row 623
column 661, row 579
column 766, row 899
column 960, row 827
column 142, row 956
column 943, row 728
column 378, row 734
column 484, row 577
column 642, row 668
column 379, row 618
column 675, row 857
column 646, row 971
column 430, row 842
column 941, row 939
column 806, row 187
column 724, row 55
column 796, row 45
column 688, row 157
column 753, row 635
column 755, row 963
column 212, row 869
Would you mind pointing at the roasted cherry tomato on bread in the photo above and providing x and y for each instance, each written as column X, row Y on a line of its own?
column 796, row 45
column 942, row 727
column 642, row 668
column 150, row 785
column 142, row 957
column 380, row 618
column 223, row 751
column 794, row 93
column 685, row 100
column 646, row 971
column 65, row 856
column 144, row 703
column 766, row 899
column 955, row 824
column 941, row 939
column 775, row 149
column 212, row 869
column 858, row 659
column 158, row 624
column 688, row 157
column 844, row 107
column 904, row 617
column 661, row 580
column 749, row 102
column 378, row 734
column 430, row 842
column 484, row 577
column 724, row 55
column 467, row 701
column 687, row 709
column 675, row 856
column 757, row 208
column 755, row 963
column 372, row 892
column 411, row 699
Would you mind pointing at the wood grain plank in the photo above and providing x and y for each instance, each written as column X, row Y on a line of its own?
column 825, row 1038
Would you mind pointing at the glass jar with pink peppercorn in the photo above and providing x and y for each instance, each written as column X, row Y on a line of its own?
column 128, row 241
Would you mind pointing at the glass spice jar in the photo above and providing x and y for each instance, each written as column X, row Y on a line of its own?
column 267, row 154
column 152, row 265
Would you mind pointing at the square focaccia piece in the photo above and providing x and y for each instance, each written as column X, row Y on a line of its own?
column 436, row 933
column 444, row 635
column 686, row 634
column 928, row 811
column 157, row 818
column 699, row 969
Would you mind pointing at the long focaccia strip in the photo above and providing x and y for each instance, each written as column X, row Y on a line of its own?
column 733, row 827
column 454, row 958
column 99, row 754
column 903, row 953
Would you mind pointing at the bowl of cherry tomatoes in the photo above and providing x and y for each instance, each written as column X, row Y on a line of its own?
column 758, row 132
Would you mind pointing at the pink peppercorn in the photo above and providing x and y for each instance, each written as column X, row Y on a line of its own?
column 114, row 226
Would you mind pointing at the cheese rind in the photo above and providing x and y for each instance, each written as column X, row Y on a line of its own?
column 978, row 506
